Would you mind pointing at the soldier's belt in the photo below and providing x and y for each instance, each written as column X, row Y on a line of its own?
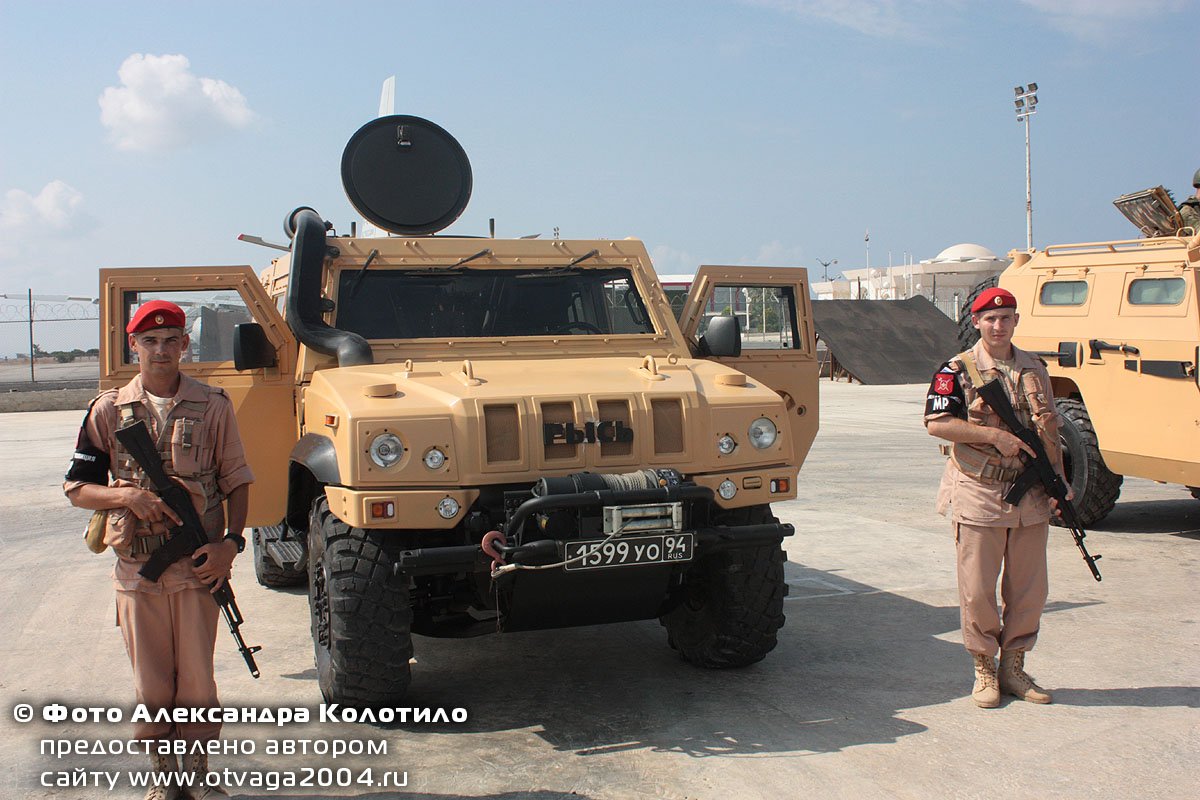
column 992, row 473
column 148, row 544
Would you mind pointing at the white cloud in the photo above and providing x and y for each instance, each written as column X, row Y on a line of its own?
column 775, row 254
column 1106, row 9
column 43, row 238
column 162, row 105
column 1095, row 19
column 881, row 18
column 670, row 261
column 913, row 19
column 57, row 208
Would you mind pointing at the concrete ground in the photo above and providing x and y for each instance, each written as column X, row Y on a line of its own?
column 866, row 695
column 57, row 386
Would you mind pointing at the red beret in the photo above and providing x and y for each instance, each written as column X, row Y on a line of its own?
column 156, row 314
column 992, row 299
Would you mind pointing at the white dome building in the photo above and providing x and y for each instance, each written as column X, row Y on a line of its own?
column 945, row 279
column 965, row 254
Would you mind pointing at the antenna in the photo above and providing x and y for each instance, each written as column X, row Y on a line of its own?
column 387, row 97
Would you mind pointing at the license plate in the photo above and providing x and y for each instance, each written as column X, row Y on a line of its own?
column 629, row 551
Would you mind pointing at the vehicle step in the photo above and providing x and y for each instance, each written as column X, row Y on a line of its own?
column 288, row 555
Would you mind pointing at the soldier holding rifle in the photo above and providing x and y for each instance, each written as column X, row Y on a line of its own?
column 169, row 625
column 985, row 461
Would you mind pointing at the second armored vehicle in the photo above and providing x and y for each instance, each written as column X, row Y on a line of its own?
column 1118, row 324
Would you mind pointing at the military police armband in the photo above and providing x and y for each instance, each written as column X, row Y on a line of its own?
column 90, row 463
column 945, row 394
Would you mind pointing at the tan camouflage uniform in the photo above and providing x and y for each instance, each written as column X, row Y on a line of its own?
column 169, row 625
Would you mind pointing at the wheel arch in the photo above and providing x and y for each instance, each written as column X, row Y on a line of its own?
column 1065, row 388
column 311, row 466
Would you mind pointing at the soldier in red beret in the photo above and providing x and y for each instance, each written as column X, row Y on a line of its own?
column 990, row 535
column 169, row 625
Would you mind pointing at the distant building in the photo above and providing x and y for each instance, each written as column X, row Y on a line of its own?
column 945, row 280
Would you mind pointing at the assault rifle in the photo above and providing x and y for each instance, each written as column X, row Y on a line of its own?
column 1039, row 470
column 184, row 539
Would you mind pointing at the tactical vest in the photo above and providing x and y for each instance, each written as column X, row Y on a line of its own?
column 1033, row 405
column 181, row 444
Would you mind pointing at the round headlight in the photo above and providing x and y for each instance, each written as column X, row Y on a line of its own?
column 447, row 508
column 727, row 490
column 762, row 433
column 726, row 444
column 386, row 449
column 434, row 459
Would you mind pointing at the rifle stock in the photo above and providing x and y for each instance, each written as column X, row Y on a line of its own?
column 1037, row 470
column 184, row 539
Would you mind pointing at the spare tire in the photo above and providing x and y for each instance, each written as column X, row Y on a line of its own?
column 1096, row 486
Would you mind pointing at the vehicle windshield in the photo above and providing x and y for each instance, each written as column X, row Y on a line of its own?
column 470, row 303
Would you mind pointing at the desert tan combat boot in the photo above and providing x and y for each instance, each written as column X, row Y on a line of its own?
column 164, row 767
column 197, row 764
column 1016, row 681
column 986, row 692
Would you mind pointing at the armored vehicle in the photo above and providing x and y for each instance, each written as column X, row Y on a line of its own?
column 456, row 435
column 1118, row 324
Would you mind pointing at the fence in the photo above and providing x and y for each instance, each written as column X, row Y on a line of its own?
column 48, row 338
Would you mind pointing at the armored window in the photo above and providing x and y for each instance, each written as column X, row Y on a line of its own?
column 1064, row 293
column 469, row 303
column 766, row 314
column 1157, row 291
column 210, row 317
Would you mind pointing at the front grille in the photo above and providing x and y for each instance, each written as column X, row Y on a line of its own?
column 668, row 426
column 562, row 414
column 615, row 411
column 659, row 433
column 502, row 430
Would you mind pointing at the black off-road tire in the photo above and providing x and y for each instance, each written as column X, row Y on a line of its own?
column 967, row 335
column 269, row 573
column 361, row 613
column 733, row 602
column 1096, row 487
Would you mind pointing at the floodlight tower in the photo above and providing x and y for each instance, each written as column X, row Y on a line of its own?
column 826, row 265
column 1026, row 106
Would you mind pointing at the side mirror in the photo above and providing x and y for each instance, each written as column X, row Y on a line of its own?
column 723, row 338
column 251, row 348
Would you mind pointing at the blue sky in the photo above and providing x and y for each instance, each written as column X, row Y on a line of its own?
column 756, row 131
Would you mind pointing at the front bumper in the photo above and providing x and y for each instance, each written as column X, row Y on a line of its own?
column 540, row 551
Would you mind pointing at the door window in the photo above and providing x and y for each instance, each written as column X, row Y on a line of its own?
column 210, row 319
column 767, row 315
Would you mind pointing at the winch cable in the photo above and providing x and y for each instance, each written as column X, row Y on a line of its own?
column 506, row 568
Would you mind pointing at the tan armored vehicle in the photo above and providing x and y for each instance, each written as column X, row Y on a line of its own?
column 454, row 435
column 1118, row 324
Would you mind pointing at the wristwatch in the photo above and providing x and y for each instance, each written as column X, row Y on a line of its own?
column 237, row 539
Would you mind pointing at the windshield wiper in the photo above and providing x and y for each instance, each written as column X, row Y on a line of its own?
column 358, row 276
column 584, row 257
column 487, row 251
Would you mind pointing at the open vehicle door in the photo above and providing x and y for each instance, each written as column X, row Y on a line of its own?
column 778, row 340
column 215, row 300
